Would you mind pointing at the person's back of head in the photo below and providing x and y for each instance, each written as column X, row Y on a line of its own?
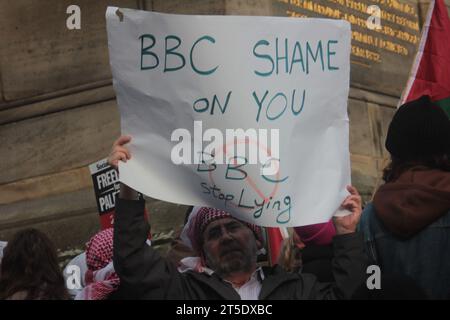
column 417, row 189
column 419, row 134
column 30, row 268
column 99, row 250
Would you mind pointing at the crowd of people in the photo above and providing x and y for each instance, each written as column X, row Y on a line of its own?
column 405, row 231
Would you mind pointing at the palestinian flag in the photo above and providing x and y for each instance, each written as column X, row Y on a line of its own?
column 430, row 74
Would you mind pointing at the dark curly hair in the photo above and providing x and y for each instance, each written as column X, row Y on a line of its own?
column 396, row 167
column 30, row 266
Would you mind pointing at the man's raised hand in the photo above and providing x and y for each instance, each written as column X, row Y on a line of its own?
column 119, row 152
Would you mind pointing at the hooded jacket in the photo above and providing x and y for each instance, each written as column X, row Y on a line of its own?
column 416, row 199
column 407, row 229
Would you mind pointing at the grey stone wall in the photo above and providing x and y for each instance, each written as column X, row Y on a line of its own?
column 58, row 111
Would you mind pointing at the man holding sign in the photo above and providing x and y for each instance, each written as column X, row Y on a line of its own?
column 227, row 250
column 236, row 121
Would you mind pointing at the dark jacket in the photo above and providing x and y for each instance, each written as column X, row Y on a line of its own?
column 424, row 257
column 144, row 274
column 407, row 229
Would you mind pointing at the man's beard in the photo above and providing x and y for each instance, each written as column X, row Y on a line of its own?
column 233, row 260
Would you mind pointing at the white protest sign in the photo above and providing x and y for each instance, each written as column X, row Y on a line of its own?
column 247, row 114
